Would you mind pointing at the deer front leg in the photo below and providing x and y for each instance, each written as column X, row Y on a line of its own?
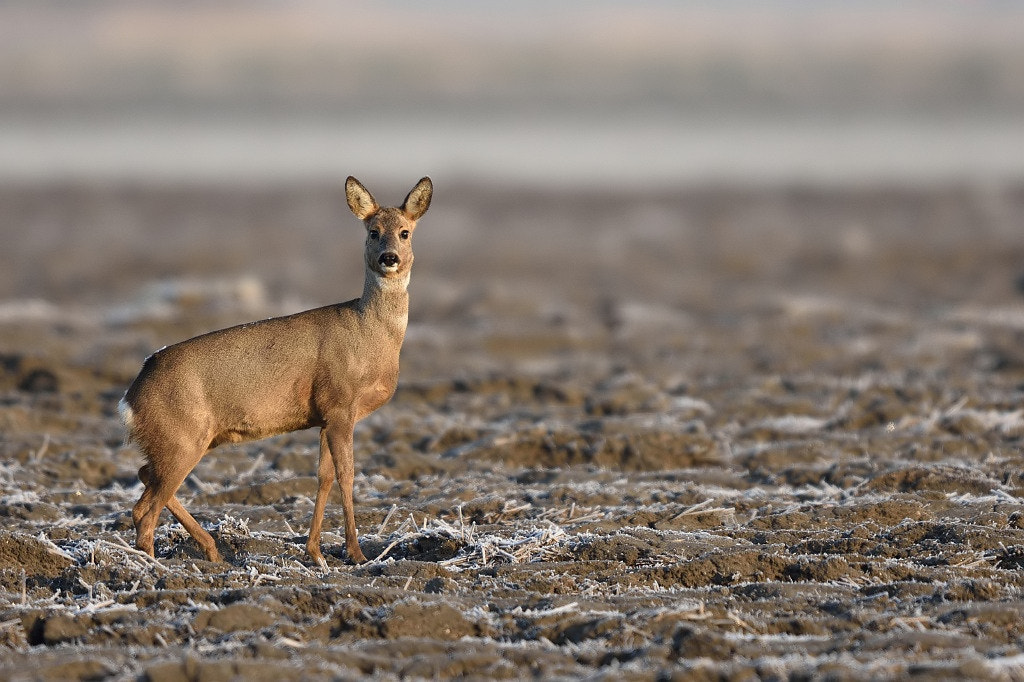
column 339, row 440
column 325, row 479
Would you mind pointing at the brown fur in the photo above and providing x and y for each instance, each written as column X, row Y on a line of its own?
column 328, row 367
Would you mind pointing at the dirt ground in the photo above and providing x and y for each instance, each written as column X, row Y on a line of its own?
column 709, row 433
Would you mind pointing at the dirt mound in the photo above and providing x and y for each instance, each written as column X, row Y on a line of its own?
column 617, row 446
column 23, row 556
column 935, row 480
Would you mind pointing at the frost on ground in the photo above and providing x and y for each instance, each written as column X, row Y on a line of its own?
column 812, row 468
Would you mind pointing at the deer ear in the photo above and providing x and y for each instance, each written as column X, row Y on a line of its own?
column 418, row 201
column 360, row 200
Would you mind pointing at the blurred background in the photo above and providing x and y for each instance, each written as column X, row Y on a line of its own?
column 604, row 171
column 572, row 92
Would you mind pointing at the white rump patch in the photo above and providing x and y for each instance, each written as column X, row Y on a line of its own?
column 127, row 415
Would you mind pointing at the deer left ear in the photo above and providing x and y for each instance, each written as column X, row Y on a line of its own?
column 418, row 200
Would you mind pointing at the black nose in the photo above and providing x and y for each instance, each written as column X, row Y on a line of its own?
column 388, row 259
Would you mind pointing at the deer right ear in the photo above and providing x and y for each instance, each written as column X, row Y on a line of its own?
column 360, row 200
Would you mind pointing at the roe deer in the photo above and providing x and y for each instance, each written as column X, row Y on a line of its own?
column 327, row 367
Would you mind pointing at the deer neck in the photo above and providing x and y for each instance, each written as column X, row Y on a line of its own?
column 385, row 304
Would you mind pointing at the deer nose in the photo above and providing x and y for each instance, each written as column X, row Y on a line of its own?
column 388, row 259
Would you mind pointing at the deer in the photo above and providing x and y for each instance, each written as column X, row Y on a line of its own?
column 328, row 367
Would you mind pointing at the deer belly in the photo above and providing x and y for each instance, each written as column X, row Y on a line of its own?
column 255, row 424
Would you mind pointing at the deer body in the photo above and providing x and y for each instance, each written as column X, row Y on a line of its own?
column 328, row 367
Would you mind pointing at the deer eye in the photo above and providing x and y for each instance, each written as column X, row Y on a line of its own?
column 404, row 234
column 374, row 235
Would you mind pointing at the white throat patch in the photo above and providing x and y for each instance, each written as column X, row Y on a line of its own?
column 392, row 283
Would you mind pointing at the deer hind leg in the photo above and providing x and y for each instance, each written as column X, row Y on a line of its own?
column 205, row 540
column 325, row 479
column 162, row 475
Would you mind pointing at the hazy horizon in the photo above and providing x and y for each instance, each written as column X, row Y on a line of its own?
column 572, row 93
